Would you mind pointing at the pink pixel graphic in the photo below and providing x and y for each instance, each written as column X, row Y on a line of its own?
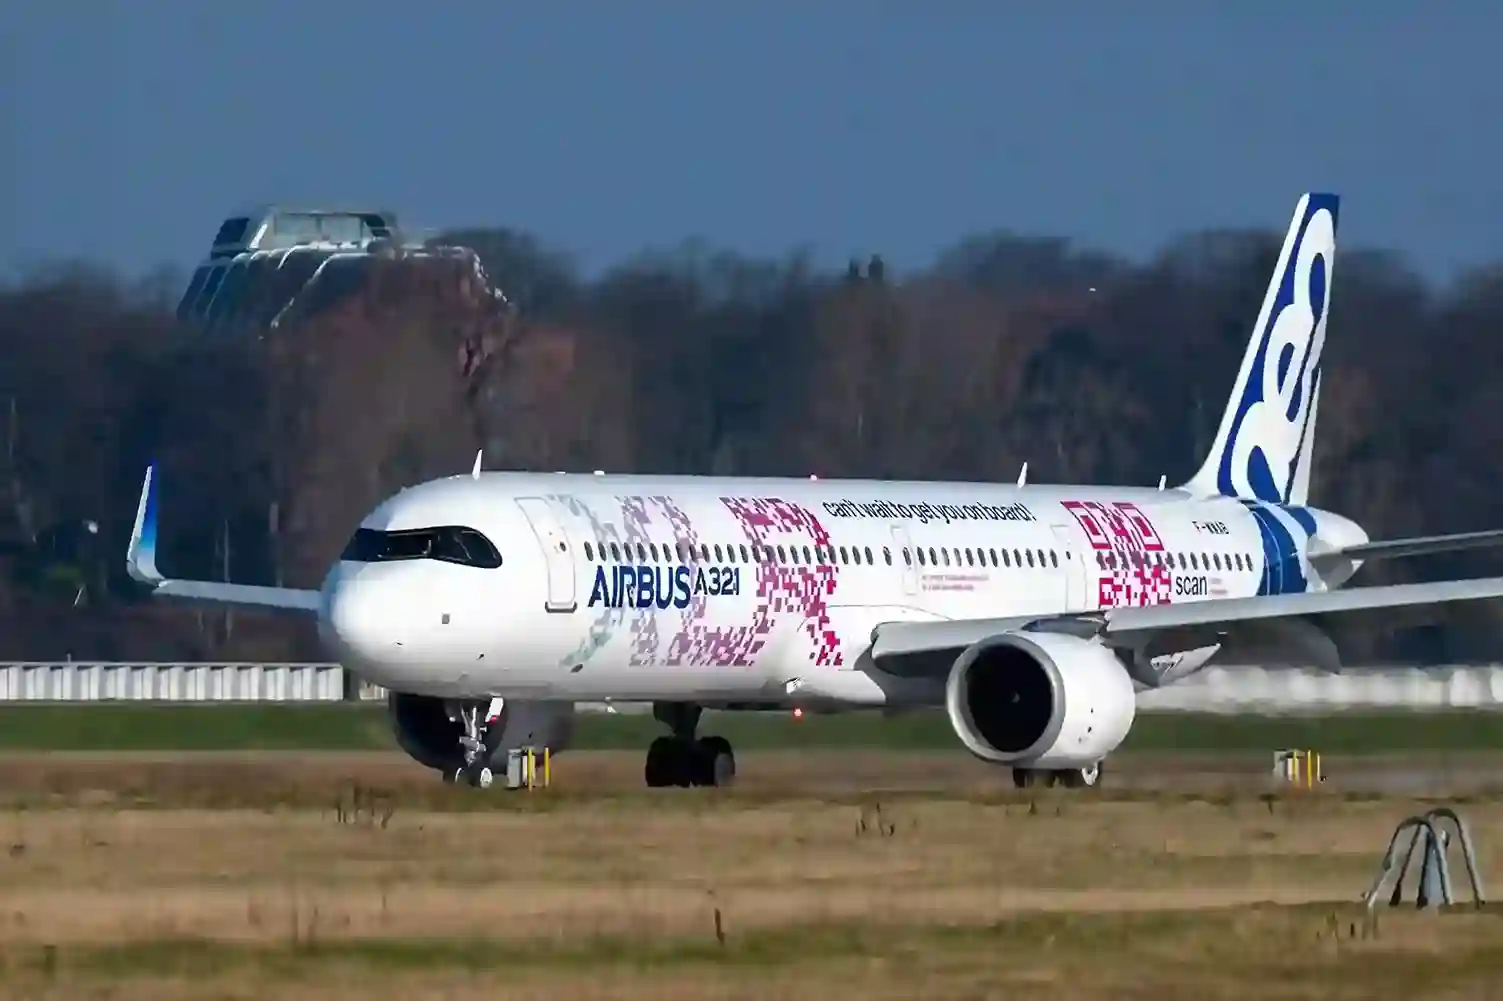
column 694, row 644
column 1129, row 553
column 783, row 587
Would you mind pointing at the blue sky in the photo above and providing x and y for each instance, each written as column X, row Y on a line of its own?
column 850, row 127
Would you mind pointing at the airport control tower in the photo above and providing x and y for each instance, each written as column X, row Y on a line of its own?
column 273, row 263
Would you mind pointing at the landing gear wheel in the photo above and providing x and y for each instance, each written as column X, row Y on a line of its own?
column 715, row 762
column 674, row 761
column 668, row 763
column 1022, row 778
column 474, row 776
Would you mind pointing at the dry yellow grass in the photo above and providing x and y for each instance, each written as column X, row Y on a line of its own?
column 1057, row 895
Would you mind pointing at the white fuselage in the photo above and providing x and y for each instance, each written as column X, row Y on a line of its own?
column 724, row 590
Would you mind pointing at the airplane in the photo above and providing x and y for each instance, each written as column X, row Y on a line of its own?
column 489, row 603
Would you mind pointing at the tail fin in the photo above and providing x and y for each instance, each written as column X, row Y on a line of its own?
column 1267, row 435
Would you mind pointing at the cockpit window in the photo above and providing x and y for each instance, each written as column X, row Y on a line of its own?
column 449, row 543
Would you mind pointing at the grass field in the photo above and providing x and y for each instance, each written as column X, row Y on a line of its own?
column 145, row 727
column 702, row 895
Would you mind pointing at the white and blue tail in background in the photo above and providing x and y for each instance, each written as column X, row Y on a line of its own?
column 1264, row 445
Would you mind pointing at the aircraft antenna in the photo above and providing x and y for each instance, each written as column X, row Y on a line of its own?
column 475, row 469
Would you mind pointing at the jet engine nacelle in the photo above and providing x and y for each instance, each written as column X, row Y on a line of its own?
column 425, row 731
column 1040, row 700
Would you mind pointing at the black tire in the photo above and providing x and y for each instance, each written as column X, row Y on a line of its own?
column 715, row 762
column 665, row 763
column 1022, row 778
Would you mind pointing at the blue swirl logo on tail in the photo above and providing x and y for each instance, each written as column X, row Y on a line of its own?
column 1265, row 433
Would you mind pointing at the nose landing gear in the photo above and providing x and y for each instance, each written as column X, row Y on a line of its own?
column 685, row 760
column 476, row 770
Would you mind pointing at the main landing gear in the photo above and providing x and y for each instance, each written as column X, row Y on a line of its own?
column 682, row 759
column 475, row 719
column 1070, row 778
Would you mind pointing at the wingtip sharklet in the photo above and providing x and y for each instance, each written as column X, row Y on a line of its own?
column 141, row 564
column 141, row 555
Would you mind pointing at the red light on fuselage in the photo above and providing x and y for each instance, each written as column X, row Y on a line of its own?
column 798, row 714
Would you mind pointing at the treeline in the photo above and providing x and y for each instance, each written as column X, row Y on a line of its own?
column 1007, row 349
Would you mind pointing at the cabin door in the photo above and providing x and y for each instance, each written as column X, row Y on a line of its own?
column 1072, row 562
column 902, row 558
column 554, row 542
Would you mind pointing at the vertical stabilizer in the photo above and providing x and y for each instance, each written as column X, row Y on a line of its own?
column 1263, row 447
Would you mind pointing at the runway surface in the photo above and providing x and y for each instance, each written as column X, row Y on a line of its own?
column 256, row 776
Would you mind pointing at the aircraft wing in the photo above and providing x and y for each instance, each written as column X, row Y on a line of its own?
column 141, row 564
column 895, row 642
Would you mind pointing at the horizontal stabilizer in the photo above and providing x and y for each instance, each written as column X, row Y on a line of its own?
column 141, row 564
column 1422, row 545
column 1230, row 611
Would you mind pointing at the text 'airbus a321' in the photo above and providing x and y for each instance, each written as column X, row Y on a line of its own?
column 488, row 604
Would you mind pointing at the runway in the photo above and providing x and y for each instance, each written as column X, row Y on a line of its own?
column 252, row 778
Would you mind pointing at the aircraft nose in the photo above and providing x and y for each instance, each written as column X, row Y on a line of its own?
column 355, row 623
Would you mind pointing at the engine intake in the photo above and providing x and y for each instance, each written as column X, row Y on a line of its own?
column 424, row 730
column 1043, row 700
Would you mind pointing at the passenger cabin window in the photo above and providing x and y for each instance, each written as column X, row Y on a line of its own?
column 449, row 544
